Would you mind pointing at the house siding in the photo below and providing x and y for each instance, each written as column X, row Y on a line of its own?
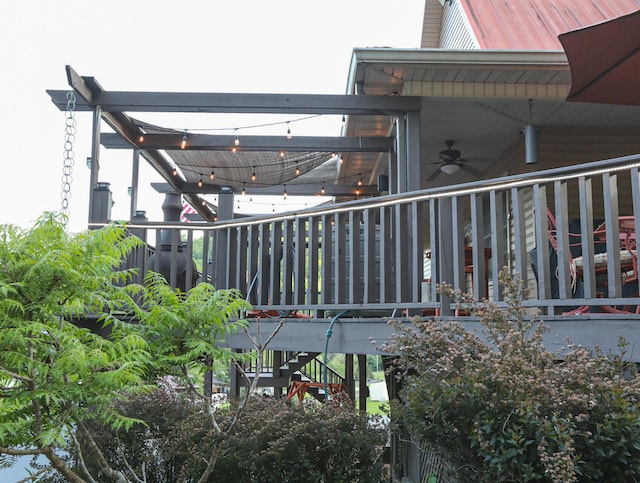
column 456, row 32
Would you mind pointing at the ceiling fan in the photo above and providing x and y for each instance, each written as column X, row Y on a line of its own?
column 452, row 162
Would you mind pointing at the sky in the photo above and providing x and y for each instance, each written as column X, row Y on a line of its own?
column 244, row 46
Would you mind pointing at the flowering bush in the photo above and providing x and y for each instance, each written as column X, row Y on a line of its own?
column 500, row 407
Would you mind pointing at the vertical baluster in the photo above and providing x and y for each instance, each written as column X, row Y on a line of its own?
column 498, row 244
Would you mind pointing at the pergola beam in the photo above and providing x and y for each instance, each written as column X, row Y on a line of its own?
column 243, row 103
column 209, row 142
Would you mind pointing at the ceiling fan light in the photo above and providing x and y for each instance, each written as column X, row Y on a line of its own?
column 449, row 168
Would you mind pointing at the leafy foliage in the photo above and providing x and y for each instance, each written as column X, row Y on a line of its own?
column 273, row 441
column 52, row 372
column 78, row 340
column 501, row 407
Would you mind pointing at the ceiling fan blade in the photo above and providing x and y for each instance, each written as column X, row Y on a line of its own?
column 472, row 170
column 434, row 175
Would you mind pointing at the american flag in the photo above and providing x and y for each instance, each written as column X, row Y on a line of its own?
column 187, row 209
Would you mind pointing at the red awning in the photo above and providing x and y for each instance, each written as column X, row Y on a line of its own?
column 605, row 61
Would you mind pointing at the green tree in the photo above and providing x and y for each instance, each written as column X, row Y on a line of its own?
column 57, row 378
column 500, row 407
column 54, row 375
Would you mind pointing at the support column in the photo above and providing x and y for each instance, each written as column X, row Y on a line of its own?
column 412, row 139
column 95, row 162
column 349, row 379
column 275, row 372
column 225, row 212
column 445, row 270
column 401, row 155
column 363, row 392
column 135, row 171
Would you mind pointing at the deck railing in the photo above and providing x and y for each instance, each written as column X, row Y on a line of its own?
column 567, row 232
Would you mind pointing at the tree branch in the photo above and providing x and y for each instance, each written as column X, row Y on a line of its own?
column 21, row 452
column 62, row 468
column 100, row 459
column 16, row 376
column 81, row 459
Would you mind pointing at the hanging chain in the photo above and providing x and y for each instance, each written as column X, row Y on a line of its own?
column 69, row 139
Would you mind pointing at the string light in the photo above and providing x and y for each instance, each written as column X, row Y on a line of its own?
column 253, row 176
column 297, row 169
column 200, row 183
column 341, row 160
column 322, row 189
column 282, row 154
column 284, row 193
column 184, row 140
column 234, row 149
column 289, row 135
column 360, row 182
column 141, row 138
column 212, row 175
column 357, row 191
column 236, row 141
column 174, row 172
column 244, row 192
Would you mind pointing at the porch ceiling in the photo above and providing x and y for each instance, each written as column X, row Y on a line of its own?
column 481, row 99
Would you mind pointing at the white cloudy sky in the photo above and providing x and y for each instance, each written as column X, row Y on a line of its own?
column 161, row 45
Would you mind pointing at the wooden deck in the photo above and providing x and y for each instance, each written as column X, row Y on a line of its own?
column 383, row 257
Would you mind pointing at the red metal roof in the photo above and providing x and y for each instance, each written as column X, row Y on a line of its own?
column 536, row 24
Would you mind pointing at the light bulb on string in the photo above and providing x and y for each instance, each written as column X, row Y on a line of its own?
column 253, row 176
column 360, row 182
column 174, row 172
column 282, row 154
column 183, row 144
column 234, row 149
column 297, row 170
column 236, row 141
column 244, row 192
column 212, row 175
column 284, row 193
column 141, row 138
column 289, row 135
column 341, row 160
column 200, row 183
column 322, row 188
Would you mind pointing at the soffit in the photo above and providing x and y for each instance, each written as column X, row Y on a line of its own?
column 484, row 122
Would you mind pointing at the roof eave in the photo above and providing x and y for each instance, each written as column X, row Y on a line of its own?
column 498, row 59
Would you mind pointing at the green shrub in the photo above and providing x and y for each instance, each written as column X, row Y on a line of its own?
column 273, row 441
column 500, row 407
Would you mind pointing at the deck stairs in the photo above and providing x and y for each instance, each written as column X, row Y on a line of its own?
column 280, row 368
